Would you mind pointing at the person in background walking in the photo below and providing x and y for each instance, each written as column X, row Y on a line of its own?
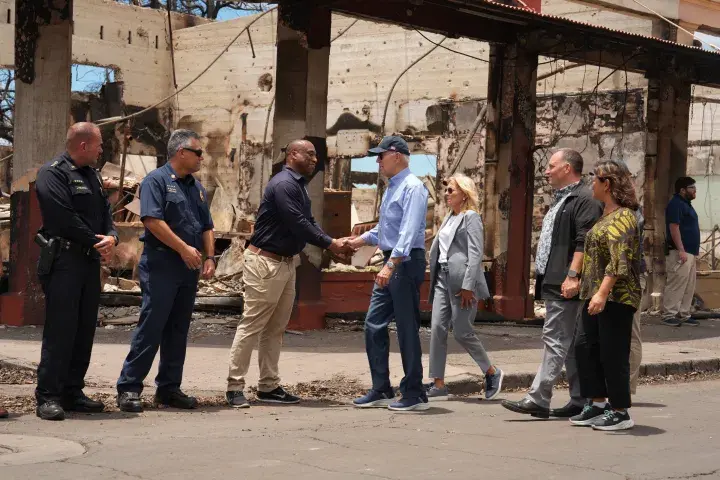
column 396, row 294
column 178, row 226
column 683, row 241
column 558, row 263
column 611, row 290
column 457, row 283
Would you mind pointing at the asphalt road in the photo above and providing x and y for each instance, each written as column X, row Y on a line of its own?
column 677, row 436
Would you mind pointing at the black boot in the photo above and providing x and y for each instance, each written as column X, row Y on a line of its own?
column 82, row 403
column 50, row 410
column 175, row 399
column 130, row 402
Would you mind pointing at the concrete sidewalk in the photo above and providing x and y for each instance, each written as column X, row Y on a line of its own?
column 322, row 355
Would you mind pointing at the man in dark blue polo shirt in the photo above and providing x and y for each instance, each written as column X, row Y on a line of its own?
column 683, row 240
column 284, row 226
column 178, row 226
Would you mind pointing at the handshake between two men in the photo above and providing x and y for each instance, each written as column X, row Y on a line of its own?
column 344, row 248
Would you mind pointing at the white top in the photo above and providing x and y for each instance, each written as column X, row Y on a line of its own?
column 445, row 236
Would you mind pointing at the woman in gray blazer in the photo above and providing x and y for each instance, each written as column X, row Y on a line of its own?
column 457, row 282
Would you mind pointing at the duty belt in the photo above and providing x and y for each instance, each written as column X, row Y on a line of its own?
column 67, row 245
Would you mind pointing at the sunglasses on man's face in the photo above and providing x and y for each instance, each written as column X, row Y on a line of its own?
column 197, row 152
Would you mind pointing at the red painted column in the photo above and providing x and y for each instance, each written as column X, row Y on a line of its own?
column 43, row 57
column 510, row 169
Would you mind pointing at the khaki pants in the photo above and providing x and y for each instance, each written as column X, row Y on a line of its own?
column 636, row 340
column 268, row 302
column 680, row 286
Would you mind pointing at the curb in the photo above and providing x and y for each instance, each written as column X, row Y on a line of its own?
column 468, row 384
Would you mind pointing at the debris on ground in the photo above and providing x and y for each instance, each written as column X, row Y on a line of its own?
column 121, row 285
column 16, row 375
column 221, row 286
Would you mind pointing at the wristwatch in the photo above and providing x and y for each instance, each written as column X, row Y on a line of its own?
column 572, row 273
column 390, row 264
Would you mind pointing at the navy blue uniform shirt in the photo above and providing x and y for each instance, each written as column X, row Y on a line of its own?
column 285, row 223
column 72, row 202
column 680, row 211
column 180, row 202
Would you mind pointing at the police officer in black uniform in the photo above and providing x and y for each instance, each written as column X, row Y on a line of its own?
column 178, row 226
column 77, row 232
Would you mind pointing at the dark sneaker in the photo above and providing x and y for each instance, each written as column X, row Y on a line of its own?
column 82, row 403
column 493, row 384
column 671, row 322
column 374, row 399
column 50, row 411
column 589, row 415
column 175, row 399
column 613, row 420
column 410, row 405
column 690, row 322
column 436, row 394
column 277, row 396
column 130, row 402
column 237, row 400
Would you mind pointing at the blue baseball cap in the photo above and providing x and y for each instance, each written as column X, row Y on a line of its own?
column 391, row 143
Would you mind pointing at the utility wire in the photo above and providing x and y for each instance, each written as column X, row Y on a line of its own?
column 675, row 24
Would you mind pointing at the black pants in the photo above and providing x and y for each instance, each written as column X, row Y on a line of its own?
column 602, row 351
column 72, row 296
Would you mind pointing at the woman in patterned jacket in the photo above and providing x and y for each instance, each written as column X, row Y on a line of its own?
column 610, row 287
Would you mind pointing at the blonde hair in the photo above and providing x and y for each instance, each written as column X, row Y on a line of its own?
column 468, row 187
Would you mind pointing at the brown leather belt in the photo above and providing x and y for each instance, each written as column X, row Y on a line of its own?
column 273, row 256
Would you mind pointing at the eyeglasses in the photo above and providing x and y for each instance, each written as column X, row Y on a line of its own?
column 449, row 190
column 197, row 152
column 593, row 174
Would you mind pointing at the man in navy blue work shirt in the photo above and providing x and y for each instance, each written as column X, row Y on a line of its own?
column 683, row 240
column 175, row 212
column 396, row 294
column 284, row 226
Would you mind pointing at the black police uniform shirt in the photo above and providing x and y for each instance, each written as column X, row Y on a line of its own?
column 285, row 223
column 72, row 202
column 180, row 202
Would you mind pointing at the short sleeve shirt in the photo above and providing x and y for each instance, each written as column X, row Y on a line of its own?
column 181, row 202
column 612, row 248
column 681, row 212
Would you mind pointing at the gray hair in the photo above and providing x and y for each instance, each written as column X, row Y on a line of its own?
column 573, row 158
column 179, row 139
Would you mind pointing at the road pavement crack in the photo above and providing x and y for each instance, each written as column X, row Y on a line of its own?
column 694, row 475
column 105, row 467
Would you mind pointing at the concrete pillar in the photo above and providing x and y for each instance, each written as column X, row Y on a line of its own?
column 303, row 58
column 668, row 119
column 509, row 176
column 43, row 42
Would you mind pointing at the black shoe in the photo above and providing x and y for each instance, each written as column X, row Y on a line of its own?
column 569, row 410
column 50, row 410
column 237, row 400
column 175, row 399
column 589, row 415
column 613, row 421
column 82, row 403
column 4, row 413
column 277, row 396
column 528, row 407
column 130, row 402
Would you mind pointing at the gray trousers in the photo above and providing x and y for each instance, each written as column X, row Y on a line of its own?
column 561, row 322
column 446, row 311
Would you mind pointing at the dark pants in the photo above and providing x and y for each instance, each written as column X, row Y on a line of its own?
column 168, row 296
column 72, row 295
column 602, row 351
column 400, row 300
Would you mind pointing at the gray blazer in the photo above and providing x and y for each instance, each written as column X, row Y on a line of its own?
column 465, row 257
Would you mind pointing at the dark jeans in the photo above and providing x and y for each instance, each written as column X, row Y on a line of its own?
column 399, row 300
column 602, row 351
column 72, row 296
column 168, row 297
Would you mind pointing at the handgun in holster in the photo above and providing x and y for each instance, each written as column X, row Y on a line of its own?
column 48, row 252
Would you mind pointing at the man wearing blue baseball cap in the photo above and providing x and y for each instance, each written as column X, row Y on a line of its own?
column 400, row 234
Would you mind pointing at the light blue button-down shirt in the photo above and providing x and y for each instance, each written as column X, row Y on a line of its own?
column 402, row 216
